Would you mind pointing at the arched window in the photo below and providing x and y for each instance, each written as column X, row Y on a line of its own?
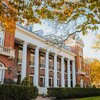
column 2, row 71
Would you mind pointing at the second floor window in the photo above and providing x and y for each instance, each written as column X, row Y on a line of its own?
column 58, row 65
column 42, row 62
column 50, row 64
column 31, row 59
column 20, row 56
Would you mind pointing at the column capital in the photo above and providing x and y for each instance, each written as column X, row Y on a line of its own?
column 25, row 42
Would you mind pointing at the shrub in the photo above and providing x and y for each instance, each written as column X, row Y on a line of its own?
column 17, row 92
column 67, row 93
column 8, row 81
column 26, row 81
column 19, row 79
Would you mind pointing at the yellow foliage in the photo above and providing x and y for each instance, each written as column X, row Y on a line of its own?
column 8, row 23
column 95, row 73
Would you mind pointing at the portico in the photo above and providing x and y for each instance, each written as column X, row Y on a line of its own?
column 49, row 69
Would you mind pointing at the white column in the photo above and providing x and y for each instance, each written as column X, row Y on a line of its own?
column 24, row 61
column 68, row 73
column 55, row 70
column 47, row 69
column 73, row 73
column 62, row 72
column 36, row 67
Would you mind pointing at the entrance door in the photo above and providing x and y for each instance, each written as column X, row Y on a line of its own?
column 2, row 71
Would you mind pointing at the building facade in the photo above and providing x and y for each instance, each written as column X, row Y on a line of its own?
column 28, row 54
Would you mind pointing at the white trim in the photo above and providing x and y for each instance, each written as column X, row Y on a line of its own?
column 51, row 82
column 31, row 66
column 43, row 80
column 39, row 39
column 2, row 68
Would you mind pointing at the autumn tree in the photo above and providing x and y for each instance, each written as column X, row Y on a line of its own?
column 60, row 11
column 96, row 44
column 95, row 72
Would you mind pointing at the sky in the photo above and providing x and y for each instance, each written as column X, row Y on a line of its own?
column 87, row 39
column 88, row 42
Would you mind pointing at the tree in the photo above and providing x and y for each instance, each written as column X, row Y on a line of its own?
column 95, row 72
column 96, row 44
column 61, row 11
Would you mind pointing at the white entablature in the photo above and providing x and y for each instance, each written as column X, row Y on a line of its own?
column 33, row 39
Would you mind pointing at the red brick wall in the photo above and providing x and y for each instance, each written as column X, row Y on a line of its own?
column 9, row 65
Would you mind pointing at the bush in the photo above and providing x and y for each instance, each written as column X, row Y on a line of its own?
column 67, row 93
column 8, row 81
column 17, row 92
column 19, row 79
column 26, row 81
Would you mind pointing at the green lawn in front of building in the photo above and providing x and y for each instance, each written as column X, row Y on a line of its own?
column 90, row 98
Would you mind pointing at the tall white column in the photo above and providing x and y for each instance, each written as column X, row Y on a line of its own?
column 36, row 67
column 55, row 70
column 62, row 72
column 68, row 73
column 24, row 61
column 47, row 69
column 73, row 73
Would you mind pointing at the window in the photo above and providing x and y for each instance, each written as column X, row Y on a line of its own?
column 42, row 62
column 65, row 64
column 20, row 56
column 58, row 65
column 50, row 81
column 32, row 59
column 58, row 82
column 31, row 79
column 1, row 38
column 42, row 81
column 1, row 73
column 50, row 64
column 80, row 64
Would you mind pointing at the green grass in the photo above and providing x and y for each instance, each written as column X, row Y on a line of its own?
column 90, row 98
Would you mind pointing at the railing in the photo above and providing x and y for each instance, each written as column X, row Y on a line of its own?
column 51, row 67
column 7, row 51
column 42, row 65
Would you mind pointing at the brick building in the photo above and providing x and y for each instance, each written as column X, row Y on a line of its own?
column 27, row 53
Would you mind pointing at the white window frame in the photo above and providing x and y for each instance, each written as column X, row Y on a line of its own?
column 20, row 51
column 2, row 68
column 2, row 38
column 50, row 64
column 43, row 80
column 58, row 82
column 32, row 76
column 30, row 59
column 58, row 66
column 41, row 62
column 51, row 81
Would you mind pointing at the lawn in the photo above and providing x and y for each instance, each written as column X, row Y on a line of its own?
column 90, row 98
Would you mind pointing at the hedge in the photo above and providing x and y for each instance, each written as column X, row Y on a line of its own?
column 68, row 93
column 17, row 92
